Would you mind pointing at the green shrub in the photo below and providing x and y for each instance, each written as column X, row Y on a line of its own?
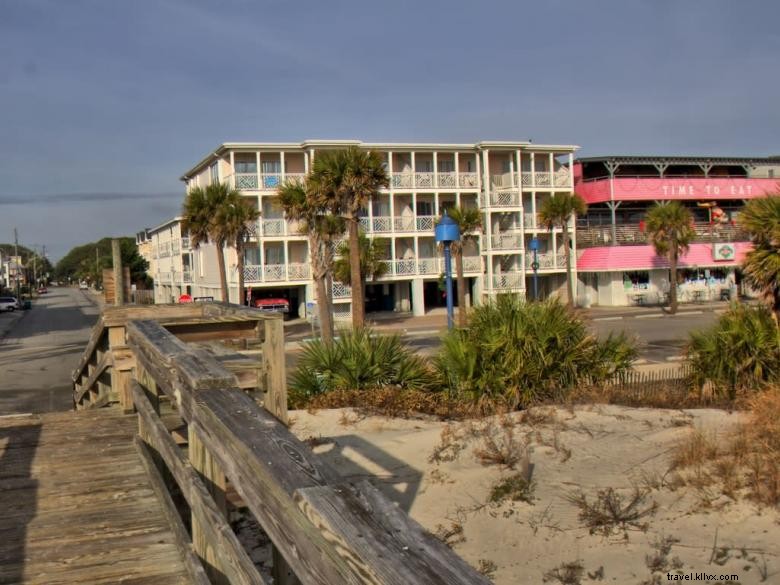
column 357, row 360
column 523, row 353
column 741, row 352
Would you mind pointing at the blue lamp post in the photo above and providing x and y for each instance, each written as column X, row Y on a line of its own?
column 446, row 232
column 534, row 246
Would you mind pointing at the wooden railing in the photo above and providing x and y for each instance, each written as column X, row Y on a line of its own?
column 103, row 374
column 324, row 529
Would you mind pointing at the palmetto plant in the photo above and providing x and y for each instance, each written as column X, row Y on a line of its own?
column 558, row 211
column 761, row 219
column 357, row 360
column 670, row 226
column 469, row 220
column 741, row 352
column 321, row 228
column 344, row 182
column 521, row 353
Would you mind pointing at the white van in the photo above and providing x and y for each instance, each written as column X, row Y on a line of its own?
column 8, row 304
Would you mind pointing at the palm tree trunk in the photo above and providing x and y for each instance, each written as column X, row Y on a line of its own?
column 240, row 267
column 325, row 314
column 458, row 253
column 673, row 284
column 569, row 284
column 222, row 274
column 319, row 267
column 356, row 279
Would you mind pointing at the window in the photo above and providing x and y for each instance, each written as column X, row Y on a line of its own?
column 639, row 279
column 446, row 166
column 424, row 208
column 771, row 173
column 246, row 167
column 214, row 173
column 272, row 167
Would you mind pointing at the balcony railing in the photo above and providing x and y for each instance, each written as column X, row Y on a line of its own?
column 508, row 281
column 632, row 235
column 429, row 266
column 276, row 272
column 427, row 180
column 505, row 199
column 560, row 178
column 263, row 181
column 507, row 241
column 386, row 224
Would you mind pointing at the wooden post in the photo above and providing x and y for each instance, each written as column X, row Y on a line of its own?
column 119, row 288
column 276, row 376
column 149, row 385
column 209, row 471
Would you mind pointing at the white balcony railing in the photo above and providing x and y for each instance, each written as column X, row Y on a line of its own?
column 507, row 242
column 505, row 199
column 560, row 178
column 245, row 181
column 273, row 227
column 428, row 266
column 426, row 180
column 468, row 180
column 508, row 281
column 298, row 271
column 425, row 223
column 404, row 224
column 546, row 261
column 503, row 181
column 341, row 291
column 186, row 275
column 531, row 221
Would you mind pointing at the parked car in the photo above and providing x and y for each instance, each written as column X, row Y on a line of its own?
column 83, row 286
column 42, row 290
column 273, row 305
column 8, row 304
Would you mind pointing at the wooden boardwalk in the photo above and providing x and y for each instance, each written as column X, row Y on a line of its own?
column 76, row 505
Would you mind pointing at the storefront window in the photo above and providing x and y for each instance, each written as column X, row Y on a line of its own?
column 637, row 280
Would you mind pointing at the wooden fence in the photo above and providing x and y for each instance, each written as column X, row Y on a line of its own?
column 324, row 530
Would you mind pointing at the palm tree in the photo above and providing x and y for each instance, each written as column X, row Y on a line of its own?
column 670, row 226
column 372, row 265
column 557, row 211
column 469, row 220
column 345, row 181
column 321, row 228
column 200, row 214
column 235, row 219
column 761, row 219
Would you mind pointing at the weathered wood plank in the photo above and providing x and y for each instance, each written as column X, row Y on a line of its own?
column 276, row 371
column 382, row 543
column 191, row 561
column 234, row 562
column 106, row 361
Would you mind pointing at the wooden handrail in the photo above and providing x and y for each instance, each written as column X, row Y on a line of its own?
column 324, row 529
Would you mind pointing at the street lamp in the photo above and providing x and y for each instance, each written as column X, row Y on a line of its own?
column 534, row 246
column 446, row 232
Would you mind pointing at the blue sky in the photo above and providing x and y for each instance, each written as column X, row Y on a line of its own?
column 104, row 103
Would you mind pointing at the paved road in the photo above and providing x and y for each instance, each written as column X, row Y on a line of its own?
column 41, row 350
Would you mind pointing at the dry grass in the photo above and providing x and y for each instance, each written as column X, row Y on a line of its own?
column 744, row 462
column 566, row 574
column 515, row 488
column 611, row 511
column 502, row 447
column 663, row 396
column 397, row 403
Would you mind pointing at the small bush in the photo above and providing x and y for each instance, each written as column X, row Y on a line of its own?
column 502, row 448
column 516, row 488
column 741, row 352
column 566, row 574
column 610, row 510
column 524, row 353
column 357, row 360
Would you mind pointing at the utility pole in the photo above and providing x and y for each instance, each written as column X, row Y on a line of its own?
column 97, row 266
column 16, row 261
column 119, row 286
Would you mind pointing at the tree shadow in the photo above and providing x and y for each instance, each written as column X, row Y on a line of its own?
column 18, row 495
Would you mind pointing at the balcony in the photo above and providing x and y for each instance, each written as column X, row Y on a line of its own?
column 654, row 188
column 512, row 281
column 547, row 261
column 505, row 199
column 186, row 275
column 386, row 224
column 185, row 243
column 506, row 241
column 429, row 266
column 631, row 235
column 275, row 272
column 262, row 181
column 443, row 180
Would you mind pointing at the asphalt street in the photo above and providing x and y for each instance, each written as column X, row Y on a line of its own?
column 40, row 350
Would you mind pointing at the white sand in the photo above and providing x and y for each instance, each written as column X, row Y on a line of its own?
column 590, row 447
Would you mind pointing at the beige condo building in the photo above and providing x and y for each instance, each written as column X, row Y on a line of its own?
column 507, row 181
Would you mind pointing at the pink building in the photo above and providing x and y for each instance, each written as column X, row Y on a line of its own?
column 616, row 265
